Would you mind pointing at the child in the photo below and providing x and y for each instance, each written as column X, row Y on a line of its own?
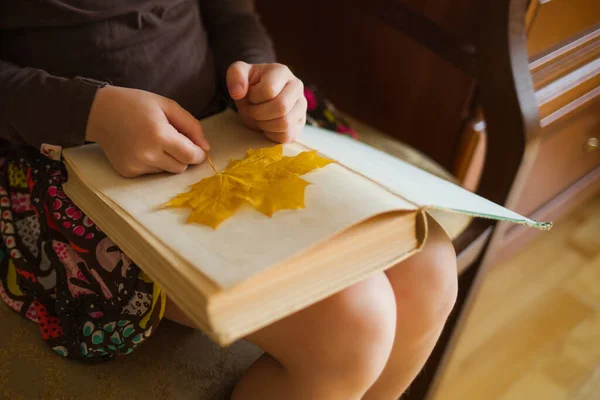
column 135, row 76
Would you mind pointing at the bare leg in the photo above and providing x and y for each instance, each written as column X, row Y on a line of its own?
column 425, row 289
column 332, row 350
column 338, row 348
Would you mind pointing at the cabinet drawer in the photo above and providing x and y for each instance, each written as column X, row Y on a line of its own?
column 565, row 155
column 566, row 90
column 556, row 22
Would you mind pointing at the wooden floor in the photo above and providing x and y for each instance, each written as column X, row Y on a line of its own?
column 534, row 332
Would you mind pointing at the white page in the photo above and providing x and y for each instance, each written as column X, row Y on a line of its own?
column 249, row 241
column 413, row 184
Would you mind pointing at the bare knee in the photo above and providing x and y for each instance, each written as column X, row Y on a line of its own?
column 346, row 338
column 440, row 276
column 425, row 285
column 366, row 326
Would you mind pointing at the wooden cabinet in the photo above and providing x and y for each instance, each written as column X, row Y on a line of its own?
column 557, row 23
column 564, row 168
column 567, row 152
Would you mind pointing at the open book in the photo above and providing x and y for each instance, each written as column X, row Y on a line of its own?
column 364, row 213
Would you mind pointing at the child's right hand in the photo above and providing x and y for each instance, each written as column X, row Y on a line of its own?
column 143, row 133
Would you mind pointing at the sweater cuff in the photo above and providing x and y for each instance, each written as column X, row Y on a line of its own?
column 81, row 105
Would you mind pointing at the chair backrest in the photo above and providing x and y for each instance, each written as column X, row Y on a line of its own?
column 497, row 59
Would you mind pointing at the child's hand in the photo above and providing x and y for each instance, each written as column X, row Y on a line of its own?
column 142, row 133
column 269, row 98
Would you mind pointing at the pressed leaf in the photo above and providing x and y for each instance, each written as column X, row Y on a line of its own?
column 282, row 194
column 265, row 179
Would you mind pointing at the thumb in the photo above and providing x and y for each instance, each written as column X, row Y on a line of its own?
column 238, row 78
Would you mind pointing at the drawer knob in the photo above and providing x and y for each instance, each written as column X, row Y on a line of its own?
column 592, row 144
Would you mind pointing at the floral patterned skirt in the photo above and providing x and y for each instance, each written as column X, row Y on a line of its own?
column 59, row 270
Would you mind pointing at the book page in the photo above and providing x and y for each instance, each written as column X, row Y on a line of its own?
column 411, row 183
column 248, row 242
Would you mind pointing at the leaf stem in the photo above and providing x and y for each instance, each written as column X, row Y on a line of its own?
column 211, row 163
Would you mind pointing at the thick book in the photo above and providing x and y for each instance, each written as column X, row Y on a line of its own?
column 363, row 213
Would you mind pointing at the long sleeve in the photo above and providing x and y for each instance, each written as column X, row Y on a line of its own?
column 38, row 108
column 235, row 33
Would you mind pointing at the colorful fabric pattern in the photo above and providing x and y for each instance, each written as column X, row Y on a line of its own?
column 323, row 114
column 58, row 269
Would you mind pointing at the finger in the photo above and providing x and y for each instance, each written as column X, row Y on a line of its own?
column 182, row 148
column 280, row 106
column 152, row 170
column 185, row 123
column 250, row 123
column 139, row 170
column 238, row 79
column 272, row 81
column 286, row 123
column 167, row 163
column 285, row 137
column 246, row 119
column 289, row 136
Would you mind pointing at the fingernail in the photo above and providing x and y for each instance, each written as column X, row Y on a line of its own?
column 236, row 89
column 204, row 144
column 202, row 157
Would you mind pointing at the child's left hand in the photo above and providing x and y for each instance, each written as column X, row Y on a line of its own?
column 269, row 98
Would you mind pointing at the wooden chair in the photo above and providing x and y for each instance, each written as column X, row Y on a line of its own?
column 496, row 58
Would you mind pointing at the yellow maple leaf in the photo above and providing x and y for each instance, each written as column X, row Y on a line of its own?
column 265, row 179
